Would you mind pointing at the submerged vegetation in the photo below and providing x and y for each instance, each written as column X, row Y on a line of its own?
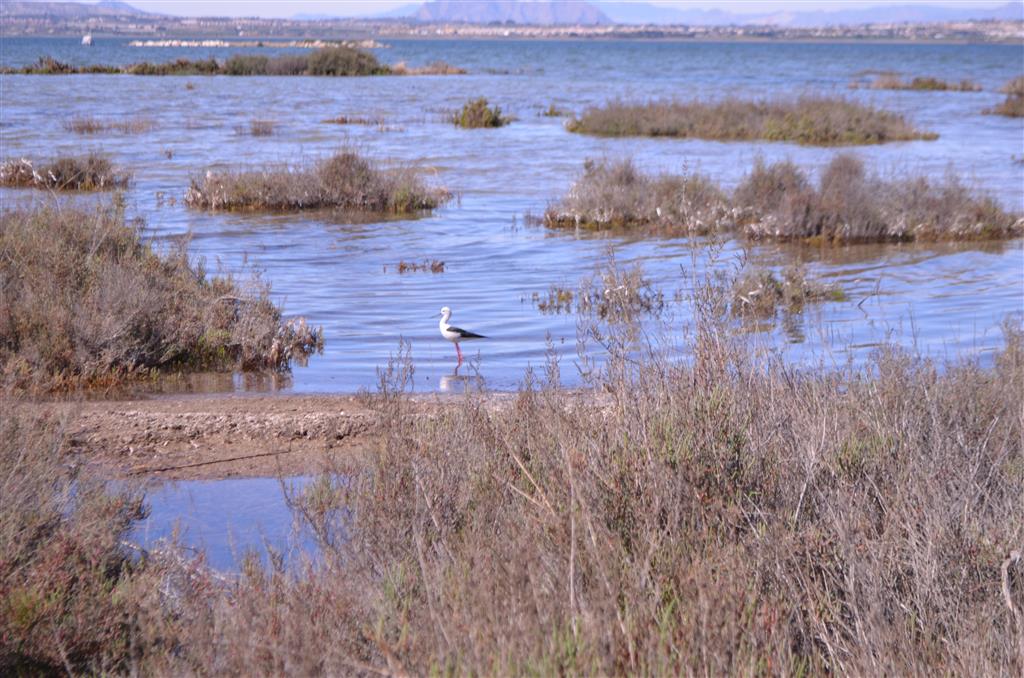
column 922, row 84
column 760, row 292
column 778, row 201
column 87, row 302
column 345, row 181
column 89, row 125
column 808, row 120
column 1013, row 106
column 478, row 113
column 67, row 173
column 723, row 515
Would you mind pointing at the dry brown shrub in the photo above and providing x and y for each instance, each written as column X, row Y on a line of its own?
column 88, row 302
column 68, row 173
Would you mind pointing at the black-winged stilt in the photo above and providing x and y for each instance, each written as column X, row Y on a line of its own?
column 455, row 334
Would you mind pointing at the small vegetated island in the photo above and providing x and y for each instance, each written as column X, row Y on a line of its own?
column 344, row 181
column 327, row 61
column 1013, row 106
column 88, row 302
column 808, row 120
column 779, row 201
column 91, row 172
column 920, row 84
column 477, row 114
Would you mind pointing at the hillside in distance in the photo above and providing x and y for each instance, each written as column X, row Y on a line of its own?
column 543, row 13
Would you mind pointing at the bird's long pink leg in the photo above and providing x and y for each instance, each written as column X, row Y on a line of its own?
column 459, row 352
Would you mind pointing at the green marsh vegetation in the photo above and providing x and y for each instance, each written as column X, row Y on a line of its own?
column 807, row 120
column 87, row 302
column 728, row 514
column 344, row 181
column 91, row 172
column 327, row 61
column 478, row 113
column 778, row 201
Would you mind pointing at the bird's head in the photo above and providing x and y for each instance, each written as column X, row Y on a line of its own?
column 446, row 312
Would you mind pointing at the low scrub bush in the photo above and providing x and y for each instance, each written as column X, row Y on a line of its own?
column 67, row 580
column 344, row 181
column 87, row 302
column 477, row 113
column 69, row 173
column 814, row 121
column 779, row 201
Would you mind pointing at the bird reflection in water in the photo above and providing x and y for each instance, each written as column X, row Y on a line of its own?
column 461, row 383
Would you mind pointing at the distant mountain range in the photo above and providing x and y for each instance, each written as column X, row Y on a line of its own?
column 594, row 13
column 542, row 12
column 69, row 10
column 579, row 12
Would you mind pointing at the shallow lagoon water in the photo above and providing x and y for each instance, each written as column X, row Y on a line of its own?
column 942, row 299
column 225, row 519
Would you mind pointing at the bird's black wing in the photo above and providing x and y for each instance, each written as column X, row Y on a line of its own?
column 465, row 334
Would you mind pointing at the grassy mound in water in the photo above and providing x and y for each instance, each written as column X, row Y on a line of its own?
column 67, row 173
column 87, row 302
column 778, row 201
column 344, row 181
column 477, row 113
column 339, row 60
column 807, row 120
column 1013, row 106
column 923, row 84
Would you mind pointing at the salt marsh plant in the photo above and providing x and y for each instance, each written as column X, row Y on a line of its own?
column 1013, row 106
column 807, row 120
column 67, row 173
column 345, row 181
column 779, row 201
column 478, row 113
column 88, row 302
column 923, row 84
column 84, row 124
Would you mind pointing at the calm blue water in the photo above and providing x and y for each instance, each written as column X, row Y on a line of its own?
column 942, row 299
column 226, row 519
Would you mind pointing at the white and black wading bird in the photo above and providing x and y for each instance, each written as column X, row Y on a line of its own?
column 455, row 334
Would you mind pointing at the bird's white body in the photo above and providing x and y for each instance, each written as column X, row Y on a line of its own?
column 455, row 334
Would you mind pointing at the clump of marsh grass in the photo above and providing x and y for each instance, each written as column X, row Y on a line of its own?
column 91, row 125
column 778, row 201
column 87, row 302
column 477, row 113
column 328, row 61
column 69, row 173
column 553, row 111
column 344, row 181
column 433, row 68
column 923, row 84
column 760, row 292
column 807, row 120
column 849, row 205
column 1013, row 106
column 617, row 194
column 257, row 128
column 427, row 265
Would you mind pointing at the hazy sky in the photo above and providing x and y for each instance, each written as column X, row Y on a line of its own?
column 286, row 8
